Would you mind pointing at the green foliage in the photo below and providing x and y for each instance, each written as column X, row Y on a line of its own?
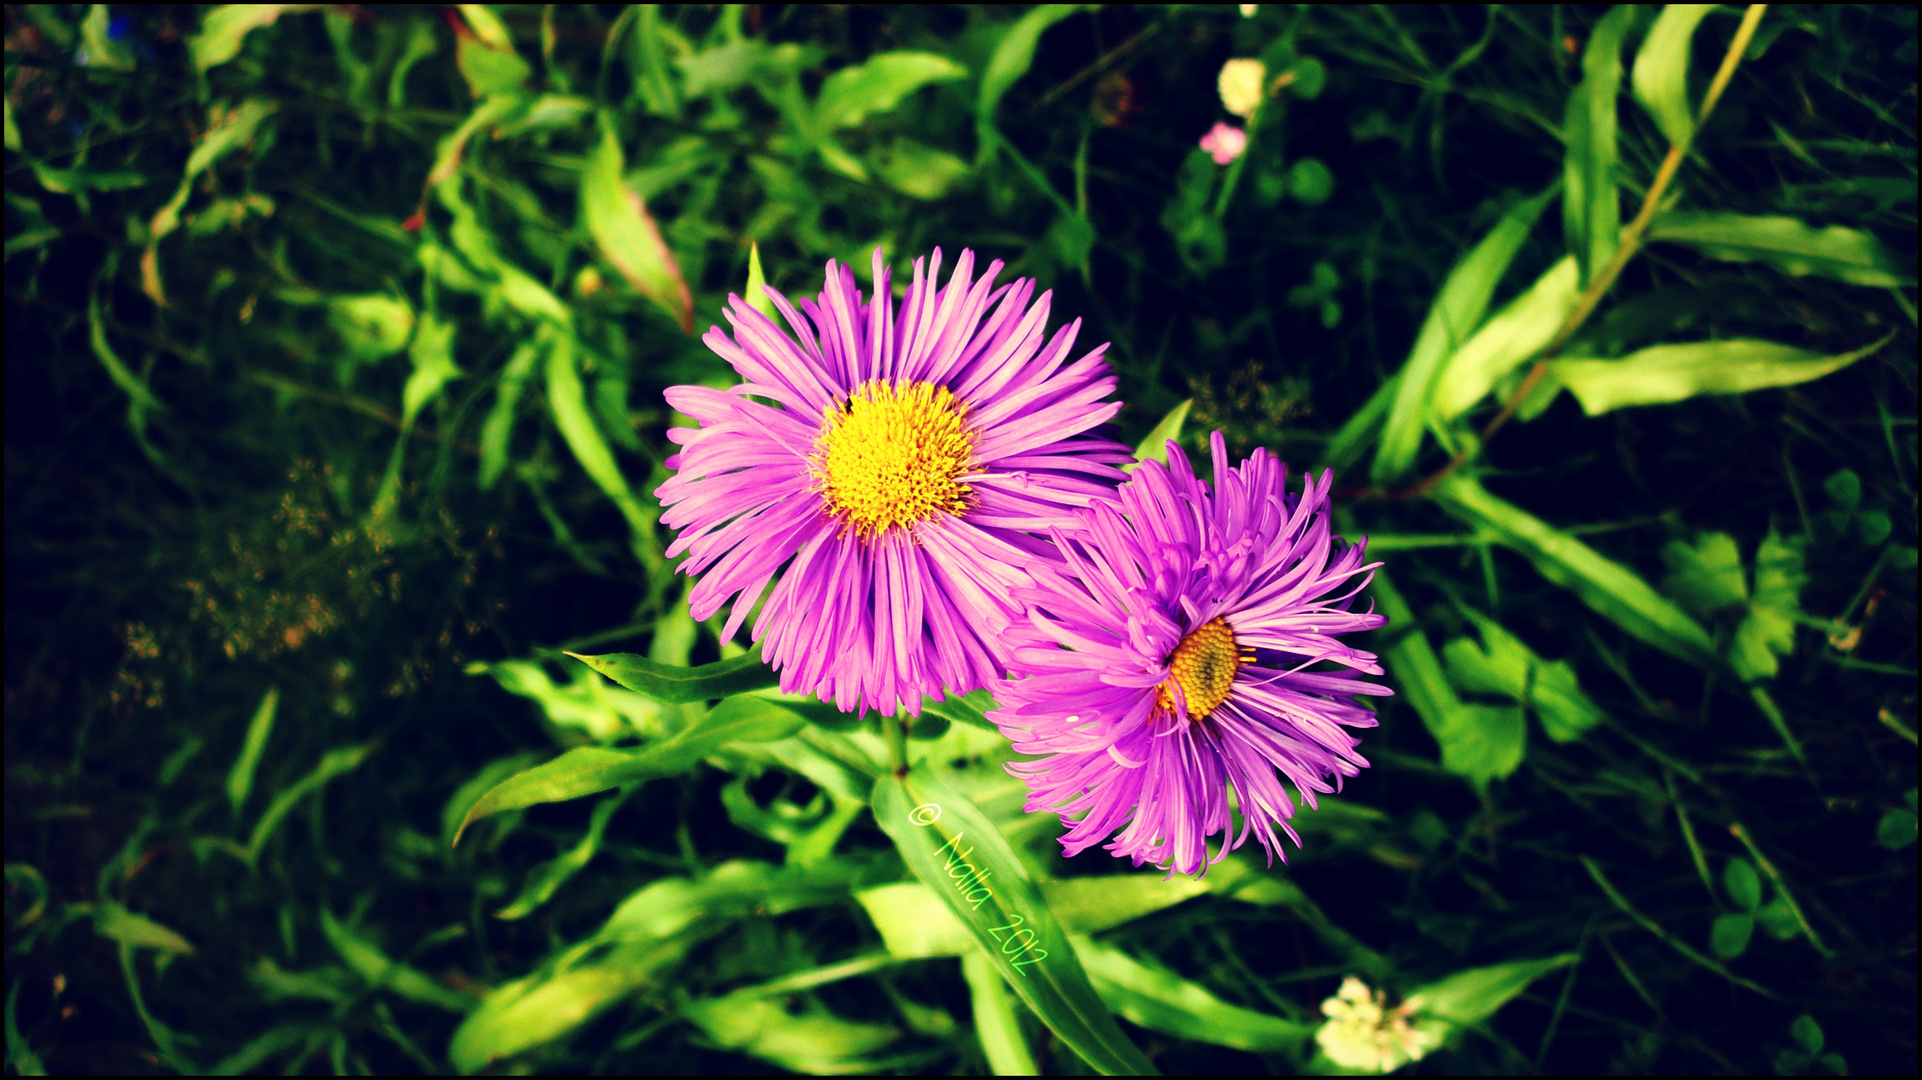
column 336, row 348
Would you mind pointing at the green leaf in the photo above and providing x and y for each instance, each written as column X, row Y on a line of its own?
column 626, row 234
column 756, row 292
column 490, row 69
column 1844, row 489
column 970, row 709
column 683, row 685
column 918, row 170
column 1728, row 937
column 1896, row 830
column 1513, row 336
column 1768, row 630
column 114, row 921
column 1743, row 884
column 486, row 25
column 953, row 848
column 995, row 1022
column 1807, row 1032
column 1422, row 683
column 653, row 81
column 373, row 965
column 1310, row 182
column 567, row 397
column 1661, row 70
column 813, row 1040
column 1485, row 742
column 541, row 1008
column 547, row 878
column 666, row 908
column 332, row 764
column 1591, row 204
column 1611, row 589
column 433, row 356
column 371, row 326
column 1161, row 1001
column 589, row 769
column 19, row 1054
column 224, row 28
column 1667, row 373
column 240, row 779
column 1502, row 669
column 1467, row 998
column 1787, row 244
column 1509, row 668
column 1013, row 56
column 499, row 425
column 852, row 94
column 1564, row 710
column 1456, row 312
column 1777, row 918
column 1154, row 445
column 1706, row 578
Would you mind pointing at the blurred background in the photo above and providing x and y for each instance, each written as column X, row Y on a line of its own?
column 335, row 343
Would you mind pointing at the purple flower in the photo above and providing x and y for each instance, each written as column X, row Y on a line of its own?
column 893, row 469
column 1166, row 661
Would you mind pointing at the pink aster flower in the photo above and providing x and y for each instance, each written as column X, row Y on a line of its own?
column 1224, row 142
column 1167, row 661
column 888, row 470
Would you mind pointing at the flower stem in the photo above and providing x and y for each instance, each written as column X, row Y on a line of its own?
column 895, row 728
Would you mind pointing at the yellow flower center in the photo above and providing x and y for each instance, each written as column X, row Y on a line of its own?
column 1204, row 665
column 894, row 455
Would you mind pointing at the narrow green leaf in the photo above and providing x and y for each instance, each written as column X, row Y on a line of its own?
column 626, row 234
column 952, row 847
column 102, row 49
column 499, row 424
column 1013, row 56
column 332, row 764
column 1787, row 244
column 585, row 770
column 224, row 28
column 486, row 25
column 1456, row 312
column 240, row 780
column 1154, row 446
column 915, row 923
column 1510, row 338
column 117, row 369
column 19, row 1055
column 1661, row 69
column 664, row 909
column 814, row 1040
column 682, row 685
column 995, row 1022
column 1667, row 373
column 756, row 291
column 1591, row 203
column 547, row 878
column 382, row 972
column 1743, row 884
column 537, row 1010
column 1161, row 1001
column 852, row 94
column 1354, row 434
column 567, row 397
column 114, row 921
column 1467, row 998
column 653, row 79
column 1611, row 589
column 970, row 709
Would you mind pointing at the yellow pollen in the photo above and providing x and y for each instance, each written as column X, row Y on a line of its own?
column 894, row 456
column 1204, row 665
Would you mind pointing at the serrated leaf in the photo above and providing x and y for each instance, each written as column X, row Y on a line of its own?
column 586, row 770
column 683, row 685
column 1512, row 336
column 957, row 852
column 1663, row 374
column 1768, row 630
column 626, row 234
column 1563, row 709
column 1161, row 1001
column 1706, row 577
column 1452, row 319
column 1154, row 445
column 1591, row 203
column 1743, row 884
column 1661, row 69
column 1611, row 589
column 852, row 94
column 1787, row 244
column 1728, row 936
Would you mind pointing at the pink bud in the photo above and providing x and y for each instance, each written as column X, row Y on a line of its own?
column 1224, row 143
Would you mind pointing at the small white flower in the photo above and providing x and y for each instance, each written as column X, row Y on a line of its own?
column 1240, row 84
column 1248, row 10
column 1363, row 1033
